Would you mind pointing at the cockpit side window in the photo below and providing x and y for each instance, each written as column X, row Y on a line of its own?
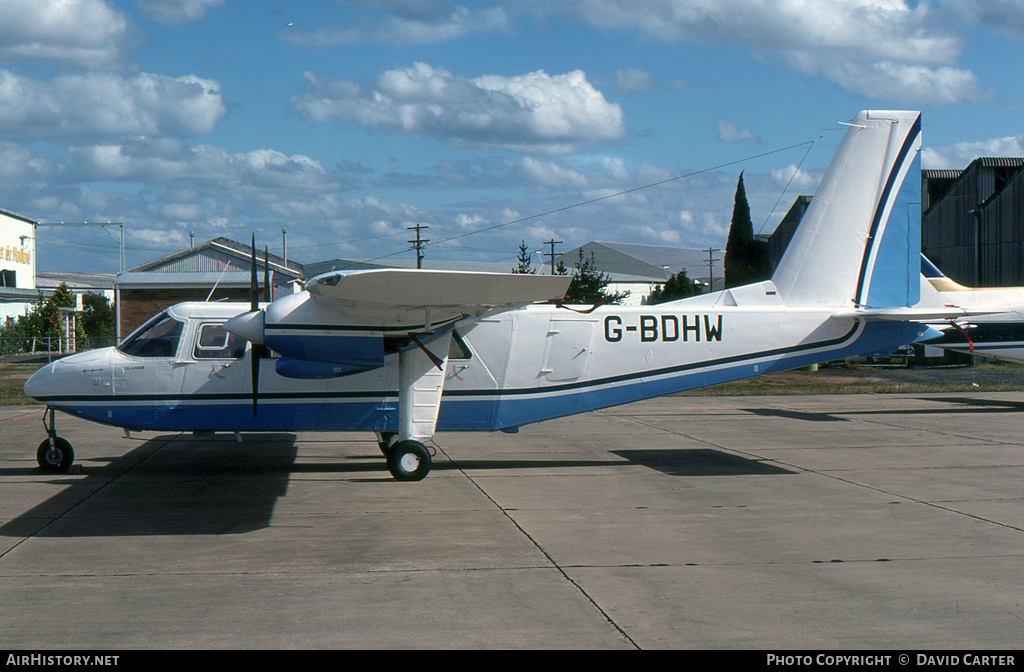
column 157, row 338
column 214, row 342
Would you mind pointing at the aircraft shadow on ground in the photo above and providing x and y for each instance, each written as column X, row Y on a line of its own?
column 959, row 405
column 168, row 487
column 183, row 486
column 700, row 462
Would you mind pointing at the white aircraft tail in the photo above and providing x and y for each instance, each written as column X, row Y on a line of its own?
column 858, row 245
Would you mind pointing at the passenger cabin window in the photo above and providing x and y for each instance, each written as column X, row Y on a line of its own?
column 214, row 342
column 157, row 338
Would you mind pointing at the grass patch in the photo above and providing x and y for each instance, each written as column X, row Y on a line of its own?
column 12, row 377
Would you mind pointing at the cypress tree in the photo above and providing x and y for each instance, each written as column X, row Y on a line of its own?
column 742, row 263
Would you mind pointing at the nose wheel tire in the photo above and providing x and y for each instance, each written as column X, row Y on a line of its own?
column 409, row 461
column 55, row 458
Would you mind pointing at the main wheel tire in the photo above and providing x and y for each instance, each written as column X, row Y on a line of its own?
column 56, row 459
column 409, row 461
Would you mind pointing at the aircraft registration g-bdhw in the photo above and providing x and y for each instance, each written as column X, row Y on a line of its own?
column 406, row 353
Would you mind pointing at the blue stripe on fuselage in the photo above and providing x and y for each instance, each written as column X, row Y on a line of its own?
column 461, row 410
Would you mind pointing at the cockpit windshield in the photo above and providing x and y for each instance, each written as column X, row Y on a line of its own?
column 156, row 338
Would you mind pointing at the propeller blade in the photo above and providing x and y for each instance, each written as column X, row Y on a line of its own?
column 254, row 362
column 266, row 276
column 254, row 320
column 254, row 299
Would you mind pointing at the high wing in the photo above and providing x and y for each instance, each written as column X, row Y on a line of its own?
column 332, row 318
column 450, row 293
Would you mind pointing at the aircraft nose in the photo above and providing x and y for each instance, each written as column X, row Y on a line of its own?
column 40, row 383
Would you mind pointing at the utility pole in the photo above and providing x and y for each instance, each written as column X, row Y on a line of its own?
column 419, row 243
column 284, row 246
column 711, row 268
column 552, row 243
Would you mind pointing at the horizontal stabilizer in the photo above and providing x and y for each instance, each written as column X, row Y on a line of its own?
column 918, row 314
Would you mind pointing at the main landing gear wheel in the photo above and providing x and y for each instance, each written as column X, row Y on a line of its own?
column 55, row 455
column 409, row 461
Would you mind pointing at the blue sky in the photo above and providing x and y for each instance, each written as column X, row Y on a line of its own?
column 347, row 121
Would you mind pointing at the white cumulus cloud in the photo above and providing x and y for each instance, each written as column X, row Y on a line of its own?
column 892, row 49
column 960, row 155
column 175, row 11
column 90, row 33
column 532, row 112
column 108, row 104
column 732, row 134
column 406, row 26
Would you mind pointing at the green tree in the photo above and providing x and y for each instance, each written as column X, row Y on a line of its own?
column 42, row 321
column 742, row 258
column 589, row 285
column 97, row 318
column 679, row 286
column 525, row 262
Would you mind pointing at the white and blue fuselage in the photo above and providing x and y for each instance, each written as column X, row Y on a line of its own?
column 501, row 372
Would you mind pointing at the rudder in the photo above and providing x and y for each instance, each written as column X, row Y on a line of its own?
column 858, row 244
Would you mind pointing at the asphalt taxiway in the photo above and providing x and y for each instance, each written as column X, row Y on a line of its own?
column 790, row 522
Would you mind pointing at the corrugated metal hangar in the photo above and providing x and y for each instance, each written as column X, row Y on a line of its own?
column 972, row 222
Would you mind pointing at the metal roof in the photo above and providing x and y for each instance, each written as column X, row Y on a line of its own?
column 8, row 213
column 941, row 174
column 1000, row 162
column 214, row 256
column 75, row 279
column 232, row 279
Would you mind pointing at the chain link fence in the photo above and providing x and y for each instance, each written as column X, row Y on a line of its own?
column 52, row 347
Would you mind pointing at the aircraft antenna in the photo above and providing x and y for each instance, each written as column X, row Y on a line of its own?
column 226, row 267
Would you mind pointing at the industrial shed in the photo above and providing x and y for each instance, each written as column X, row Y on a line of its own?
column 972, row 222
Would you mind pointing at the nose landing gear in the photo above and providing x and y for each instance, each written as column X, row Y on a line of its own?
column 54, row 454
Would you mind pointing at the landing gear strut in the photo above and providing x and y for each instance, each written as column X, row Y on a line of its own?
column 54, row 454
column 385, row 440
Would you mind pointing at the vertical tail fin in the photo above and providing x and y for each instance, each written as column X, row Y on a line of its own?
column 859, row 243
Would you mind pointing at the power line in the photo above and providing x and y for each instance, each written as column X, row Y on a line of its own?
column 624, row 192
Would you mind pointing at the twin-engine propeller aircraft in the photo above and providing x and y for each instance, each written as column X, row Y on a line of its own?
column 407, row 353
